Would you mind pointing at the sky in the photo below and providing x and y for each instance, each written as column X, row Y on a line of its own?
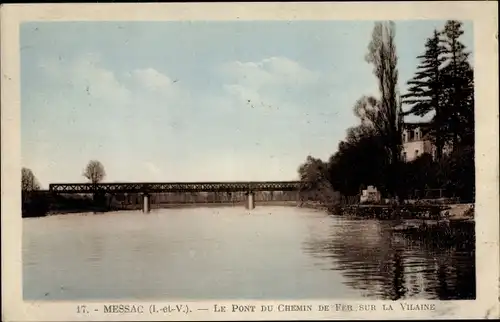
column 196, row 101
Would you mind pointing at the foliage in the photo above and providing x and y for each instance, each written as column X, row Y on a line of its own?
column 444, row 84
column 458, row 79
column 425, row 93
column 370, row 155
column 358, row 164
column 384, row 114
column 456, row 173
column 371, row 151
column 312, row 170
column 34, row 204
column 315, row 173
column 28, row 180
column 419, row 174
column 94, row 171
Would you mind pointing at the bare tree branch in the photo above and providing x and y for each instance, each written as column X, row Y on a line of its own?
column 94, row 171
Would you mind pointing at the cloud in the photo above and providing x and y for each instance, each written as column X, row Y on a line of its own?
column 242, row 93
column 85, row 75
column 274, row 71
column 124, row 118
column 152, row 79
column 271, row 84
column 152, row 169
column 81, row 108
column 149, row 83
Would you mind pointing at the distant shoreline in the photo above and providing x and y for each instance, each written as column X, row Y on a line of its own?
column 450, row 212
column 98, row 211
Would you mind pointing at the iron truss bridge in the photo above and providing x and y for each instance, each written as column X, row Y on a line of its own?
column 152, row 187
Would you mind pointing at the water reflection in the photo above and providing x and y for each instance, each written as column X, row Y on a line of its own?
column 386, row 265
column 231, row 253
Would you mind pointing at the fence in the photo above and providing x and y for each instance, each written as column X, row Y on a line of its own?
column 349, row 200
column 434, row 196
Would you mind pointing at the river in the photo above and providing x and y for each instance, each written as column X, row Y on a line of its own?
column 234, row 253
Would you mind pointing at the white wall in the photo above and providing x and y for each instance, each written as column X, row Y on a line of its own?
column 413, row 149
column 417, row 145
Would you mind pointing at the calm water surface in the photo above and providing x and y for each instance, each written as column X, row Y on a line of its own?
column 230, row 253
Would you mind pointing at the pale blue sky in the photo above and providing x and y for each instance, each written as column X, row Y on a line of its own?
column 187, row 101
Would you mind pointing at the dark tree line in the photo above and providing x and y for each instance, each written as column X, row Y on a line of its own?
column 371, row 153
column 36, row 203
column 33, row 203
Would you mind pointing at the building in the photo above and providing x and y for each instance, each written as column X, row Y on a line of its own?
column 416, row 142
column 371, row 195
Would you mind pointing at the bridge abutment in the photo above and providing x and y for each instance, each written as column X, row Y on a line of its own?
column 146, row 203
column 250, row 200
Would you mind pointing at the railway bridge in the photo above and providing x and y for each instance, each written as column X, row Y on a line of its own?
column 147, row 188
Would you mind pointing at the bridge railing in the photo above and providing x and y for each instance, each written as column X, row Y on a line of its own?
column 175, row 187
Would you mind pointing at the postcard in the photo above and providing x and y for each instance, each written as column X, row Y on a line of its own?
column 262, row 161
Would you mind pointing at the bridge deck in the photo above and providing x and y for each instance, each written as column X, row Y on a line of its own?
column 141, row 187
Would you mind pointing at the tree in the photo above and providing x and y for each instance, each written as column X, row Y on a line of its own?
column 94, row 171
column 444, row 83
column 419, row 174
column 312, row 170
column 357, row 133
column 458, row 81
column 456, row 173
column 425, row 93
column 425, row 89
column 315, row 173
column 358, row 163
column 28, row 180
column 384, row 114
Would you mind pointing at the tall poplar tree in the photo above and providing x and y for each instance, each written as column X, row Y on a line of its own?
column 384, row 114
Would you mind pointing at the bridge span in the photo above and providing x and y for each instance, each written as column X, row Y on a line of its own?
column 146, row 188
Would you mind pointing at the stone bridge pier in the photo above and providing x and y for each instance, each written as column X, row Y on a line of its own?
column 250, row 200
column 146, row 202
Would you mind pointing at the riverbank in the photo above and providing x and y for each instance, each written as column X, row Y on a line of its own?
column 411, row 211
column 459, row 212
column 449, row 211
column 442, row 232
column 318, row 206
column 439, row 224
